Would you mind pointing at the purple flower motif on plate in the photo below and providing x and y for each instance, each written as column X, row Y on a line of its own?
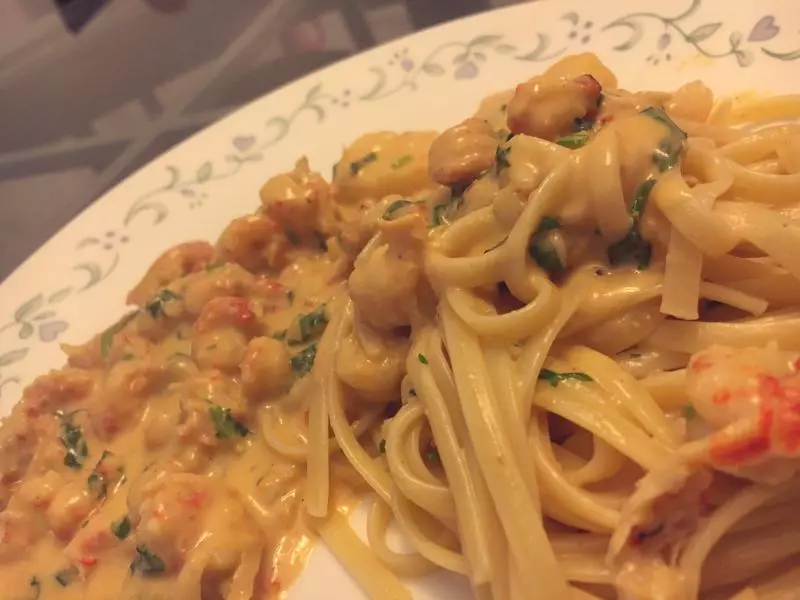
column 663, row 41
column 764, row 30
column 243, row 142
column 51, row 330
column 407, row 64
column 467, row 70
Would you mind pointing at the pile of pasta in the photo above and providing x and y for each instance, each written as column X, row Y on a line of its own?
column 556, row 347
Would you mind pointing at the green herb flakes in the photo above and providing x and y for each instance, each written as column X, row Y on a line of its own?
column 554, row 378
column 64, row 577
column 402, row 162
column 155, row 306
column 307, row 326
column 107, row 337
column 122, row 528
column 357, row 165
column 633, row 247
column 293, row 238
column 669, row 150
column 224, row 422
column 146, row 563
column 382, row 447
column 394, row 207
column 72, row 439
column 36, row 588
column 573, row 141
column 290, row 297
column 689, row 412
column 501, row 159
column 303, row 361
column 422, row 358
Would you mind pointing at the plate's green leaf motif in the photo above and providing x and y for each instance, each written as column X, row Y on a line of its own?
column 635, row 30
column 461, row 57
column 59, row 295
column 539, row 53
column 9, row 358
column 433, row 69
column 204, row 172
column 703, row 32
column 380, row 83
column 795, row 55
column 160, row 211
column 571, row 17
column 313, row 93
column 485, row 40
column 174, row 177
column 281, row 127
column 26, row 331
column 28, row 308
column 48, row 314
column 505, row 49
column 93, row 270
column 735, row 39
column 87, row 241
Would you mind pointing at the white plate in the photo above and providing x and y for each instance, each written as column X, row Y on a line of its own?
column 75, row 285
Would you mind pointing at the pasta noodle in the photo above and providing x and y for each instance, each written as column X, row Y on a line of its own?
column 555, row 347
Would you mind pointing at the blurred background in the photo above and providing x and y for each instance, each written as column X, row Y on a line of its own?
column 91, row 90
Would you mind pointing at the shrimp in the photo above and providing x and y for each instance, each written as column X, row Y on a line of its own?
column 174, row 263
column 169, row 515
column 256, row 242
column 751, row 397
column 463, row 152
column 298, row 200
column 547, row 108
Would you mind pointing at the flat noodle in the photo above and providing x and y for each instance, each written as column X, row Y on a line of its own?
column 556, row 346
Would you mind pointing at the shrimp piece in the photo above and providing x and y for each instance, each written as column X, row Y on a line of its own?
column 383, row 288
column 57, row 389
column 256, row 242
column 19, row 532
column 299, row 200
column 463, row 152
column 227, row 311
column 127, row 385
column 266, row 368
column 174, row 263
column 228, row 280
column 751, row 396
column 91, row 541
column 546, row 109
column 169, row 515
column 69, row 508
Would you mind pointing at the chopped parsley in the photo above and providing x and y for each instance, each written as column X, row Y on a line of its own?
column 107, row 337
column 36, row 587
column 554, row 378
column 633, row 247
column 358, row 165
column 689, row 412
column 122, row 528
column 322, row 242
column 573, row 141
column 382, row 447
column 225, row 423
column 670, row 148
column 279, row 335
column 303, row 361
column 432, row 455
column 422, row 358
column 290, row 296
column 389, row 213
column 541, row 248
column 293, row 238
column 146, row 563
column 442, row 212
column 72, row 439
column 307, row 326
column 155, row 306
column 213, row 266
column 501, row 159
column 96, row 481
column 402, row 162
column 66, row 576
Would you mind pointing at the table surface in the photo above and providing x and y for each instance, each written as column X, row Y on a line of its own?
column 91, row 90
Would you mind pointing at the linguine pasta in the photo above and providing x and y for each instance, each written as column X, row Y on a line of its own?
column 556, row 346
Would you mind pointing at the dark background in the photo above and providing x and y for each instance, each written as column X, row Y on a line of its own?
column 90, row 90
